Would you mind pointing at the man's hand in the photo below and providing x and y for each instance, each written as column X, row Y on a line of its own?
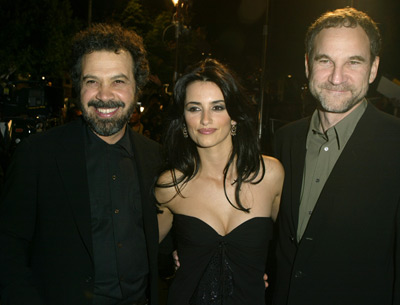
column 266, row 280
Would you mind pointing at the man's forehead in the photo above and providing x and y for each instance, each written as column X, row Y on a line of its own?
column 101, row 55
column 343, row 40
column 107, row 62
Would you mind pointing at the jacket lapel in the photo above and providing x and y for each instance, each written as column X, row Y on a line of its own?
column 146, row 173
column 346, row 163
column 298, row 155
column 147, row 161
column 71, row 162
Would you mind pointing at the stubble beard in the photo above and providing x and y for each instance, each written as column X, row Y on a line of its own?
column 326, row 102
column 107, row 126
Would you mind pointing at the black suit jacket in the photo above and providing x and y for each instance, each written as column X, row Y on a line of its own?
column 46, row 252
column 350, row 251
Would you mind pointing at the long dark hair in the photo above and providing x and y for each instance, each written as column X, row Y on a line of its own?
column 181, row 153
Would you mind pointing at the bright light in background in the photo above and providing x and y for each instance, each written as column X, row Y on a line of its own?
column 175, row 2
column 141, row 109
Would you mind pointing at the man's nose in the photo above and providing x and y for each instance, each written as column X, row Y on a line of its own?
column 338, row 75
column 105, row 93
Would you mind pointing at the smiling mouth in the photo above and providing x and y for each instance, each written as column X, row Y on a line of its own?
column 206, row 130
column 338, row 92
column 106, row 112
column 340, row 89
column 105, row 108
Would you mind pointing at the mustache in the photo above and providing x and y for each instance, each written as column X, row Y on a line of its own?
column 329, row 86
column 106, row 104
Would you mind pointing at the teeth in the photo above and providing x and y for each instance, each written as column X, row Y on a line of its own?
column 106, row 110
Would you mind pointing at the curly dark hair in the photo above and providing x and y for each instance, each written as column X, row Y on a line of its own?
column 114, row 38
column 345, row 17
column 181, row 153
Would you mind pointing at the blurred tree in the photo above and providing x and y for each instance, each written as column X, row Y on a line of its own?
column 152, row 29
column 35, row 38
column 158, row 31
column 161, row 52
column 36, row 35
column 135, row 18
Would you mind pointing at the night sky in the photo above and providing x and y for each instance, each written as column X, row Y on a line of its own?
column 234, row 29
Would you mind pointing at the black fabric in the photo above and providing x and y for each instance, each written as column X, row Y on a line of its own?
column 349, row 253
column 216, row 283
column 119, row 246
column 46, row 252
column 219, row 269
column 102, row 300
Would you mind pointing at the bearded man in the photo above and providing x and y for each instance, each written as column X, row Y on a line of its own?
column 77, row 216
column 339, row 218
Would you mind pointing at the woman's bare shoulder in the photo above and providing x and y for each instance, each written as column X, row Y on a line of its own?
column 166, row 189
column 273, row 165
column 273, row 170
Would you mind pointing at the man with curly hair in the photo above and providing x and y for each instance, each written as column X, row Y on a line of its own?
column 78, row 219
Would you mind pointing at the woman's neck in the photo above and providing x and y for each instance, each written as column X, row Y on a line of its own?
column 214, row 161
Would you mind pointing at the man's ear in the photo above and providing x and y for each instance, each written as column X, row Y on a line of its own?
column 374, row 69
column 306, row 64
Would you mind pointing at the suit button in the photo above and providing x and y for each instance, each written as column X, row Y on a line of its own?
column 299, row 274
column 291, row 239
column 88, row 279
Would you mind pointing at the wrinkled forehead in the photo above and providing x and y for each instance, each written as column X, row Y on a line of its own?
column 342, row 41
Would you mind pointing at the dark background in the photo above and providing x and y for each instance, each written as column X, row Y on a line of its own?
column 234, row 29
column 262, row 40
column 233, row 32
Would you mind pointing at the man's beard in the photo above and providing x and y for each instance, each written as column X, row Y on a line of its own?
column 107, row 126
column 325, row 101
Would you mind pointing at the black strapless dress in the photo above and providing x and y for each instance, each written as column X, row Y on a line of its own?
column 220, row 270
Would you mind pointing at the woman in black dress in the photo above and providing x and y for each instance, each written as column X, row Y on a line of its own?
column 218, row 191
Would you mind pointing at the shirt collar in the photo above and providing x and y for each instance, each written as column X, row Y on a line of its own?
column 124, row 142
column 342, row 130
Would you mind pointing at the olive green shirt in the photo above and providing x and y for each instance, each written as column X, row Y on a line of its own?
column 323, row 150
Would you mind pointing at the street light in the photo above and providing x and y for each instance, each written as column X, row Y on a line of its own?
column 175, row 21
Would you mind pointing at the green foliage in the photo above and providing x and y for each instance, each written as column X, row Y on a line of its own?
column 158, row 32
column 36, row 35
column 35, row 38
column 161, row 52
column 151, row 28
column 133, row 17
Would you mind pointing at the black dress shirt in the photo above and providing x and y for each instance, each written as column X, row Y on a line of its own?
column 119, row 245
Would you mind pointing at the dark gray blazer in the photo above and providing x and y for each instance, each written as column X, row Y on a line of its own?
column 350, row 251
column 45, row 233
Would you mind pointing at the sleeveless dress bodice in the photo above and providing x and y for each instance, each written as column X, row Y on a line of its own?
column 220, row 270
